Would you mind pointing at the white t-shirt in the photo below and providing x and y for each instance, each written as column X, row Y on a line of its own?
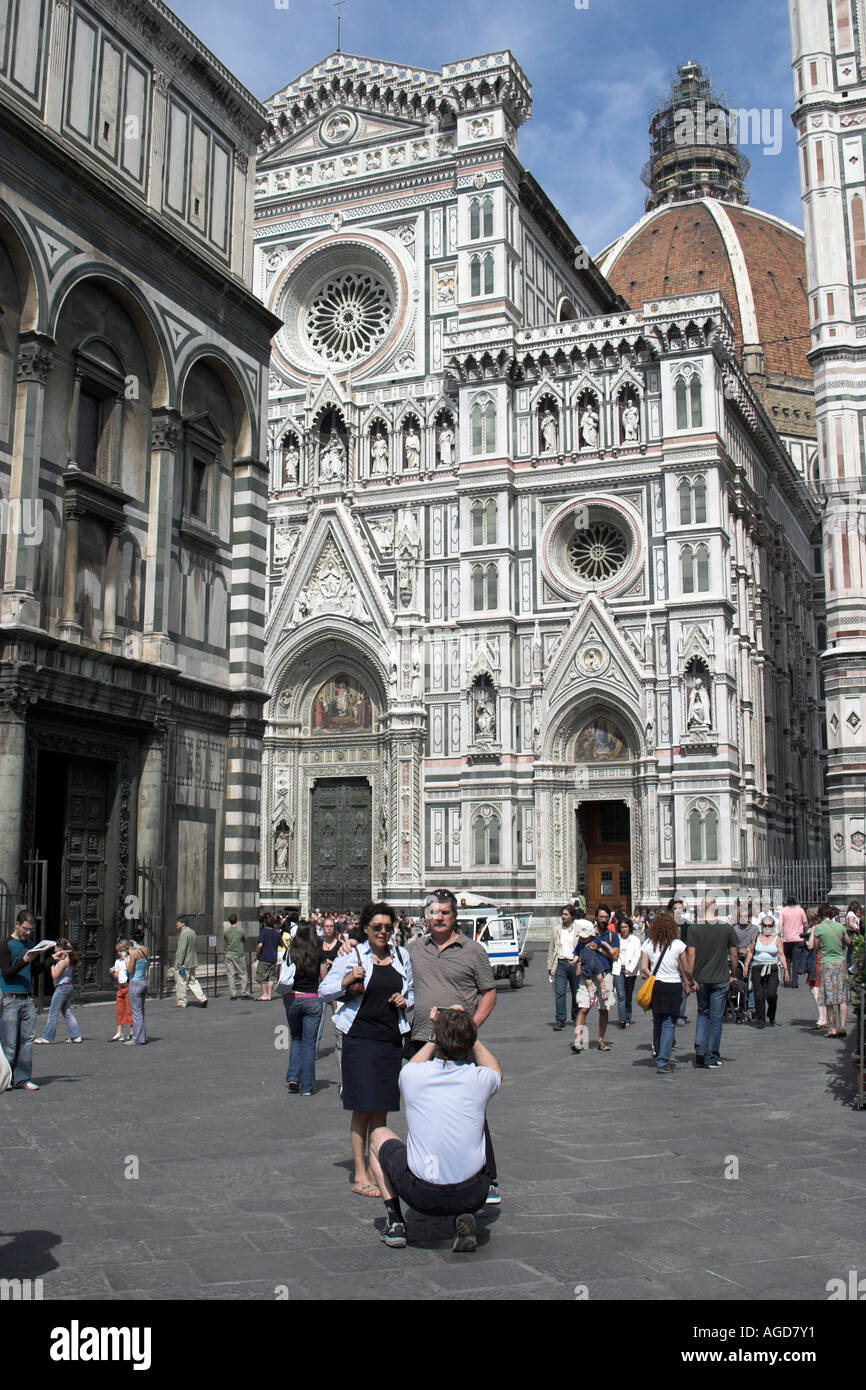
column 445, row 1105
column 669, row 974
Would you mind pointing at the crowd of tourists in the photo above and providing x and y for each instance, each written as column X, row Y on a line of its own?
column 407, row 1000
column 731, row 970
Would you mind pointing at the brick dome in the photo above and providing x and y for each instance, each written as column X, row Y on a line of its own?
column 756, row 260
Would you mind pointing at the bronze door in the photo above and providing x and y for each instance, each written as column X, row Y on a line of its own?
column 341, row 834
column 84, row 864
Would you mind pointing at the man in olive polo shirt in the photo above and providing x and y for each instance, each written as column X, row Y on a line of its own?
column 448, row 968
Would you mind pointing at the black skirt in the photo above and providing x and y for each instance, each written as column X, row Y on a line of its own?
column 370, row 1073
column 666, row 998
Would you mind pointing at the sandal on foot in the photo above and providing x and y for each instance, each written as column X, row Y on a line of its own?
column 604, row 1047
column 368, row 1189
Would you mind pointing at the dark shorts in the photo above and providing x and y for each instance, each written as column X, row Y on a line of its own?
column 428, row 1198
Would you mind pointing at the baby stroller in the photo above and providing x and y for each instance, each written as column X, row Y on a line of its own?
column 737, row 1004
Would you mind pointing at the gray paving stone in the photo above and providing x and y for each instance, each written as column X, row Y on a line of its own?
column 620, row 1186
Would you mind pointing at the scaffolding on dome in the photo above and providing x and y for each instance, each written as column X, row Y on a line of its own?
column 692, row 150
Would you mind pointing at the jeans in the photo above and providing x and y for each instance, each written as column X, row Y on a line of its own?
column 303, row 1015
column 61, row 1003
column 17, row 1031
column 624, row 990
column 794, row 955
column 711, row 1012
column 664, row 1031
column 137, row 996
column 564, row 980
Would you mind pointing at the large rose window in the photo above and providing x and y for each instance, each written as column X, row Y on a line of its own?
column 598, row 552
column 348, row 317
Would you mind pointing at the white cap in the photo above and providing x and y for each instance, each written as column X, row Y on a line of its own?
column 584, row 928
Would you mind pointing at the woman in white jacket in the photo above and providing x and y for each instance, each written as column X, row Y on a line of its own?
column 374, row 983
column 625, row 969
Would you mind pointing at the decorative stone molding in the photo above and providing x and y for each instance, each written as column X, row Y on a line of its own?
column 35, row 358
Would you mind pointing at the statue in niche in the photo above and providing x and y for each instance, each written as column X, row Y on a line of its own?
column 446, row 445
column 630, row 423
column 291, row 462
column 417, row 688
column 485, row 713
column 589, row 426
column 332, row 461
column 282, row 846
column 549, row 432
column 412, row 449
column 378, row 454
column 698, row 705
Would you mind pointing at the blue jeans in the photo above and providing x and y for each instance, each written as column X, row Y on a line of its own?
column 303, row 1017
column 17, row 1031
column 624, row 985
column 61, row 1003
column 137, row 996
column 664, row 1031
column 711, row 1012
column 564, row 980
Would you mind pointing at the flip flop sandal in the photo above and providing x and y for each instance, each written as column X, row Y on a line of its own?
column 367, row 1190
column 604, row 1047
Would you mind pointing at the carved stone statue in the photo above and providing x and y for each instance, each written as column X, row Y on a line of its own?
column 485, row 715
column 284, row 545
column 282, row 844
column 631, row 424
column 698, row 707
column 412, row 449
column 589, row 427
column 332, row 461
column 378, row 455
column 291, row 463
column 549, row 433
column 446, row 446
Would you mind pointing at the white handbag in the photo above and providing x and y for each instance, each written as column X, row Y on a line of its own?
column 286, row 982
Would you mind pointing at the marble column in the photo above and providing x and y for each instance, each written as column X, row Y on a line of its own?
column 35, row 361
column 13, row 750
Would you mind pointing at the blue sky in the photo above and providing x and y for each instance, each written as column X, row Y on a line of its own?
column 596, row 73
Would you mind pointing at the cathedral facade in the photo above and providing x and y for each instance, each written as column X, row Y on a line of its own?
column 542, row 591
column 132, row 476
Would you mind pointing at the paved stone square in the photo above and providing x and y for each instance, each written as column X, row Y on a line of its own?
column 614, row 1180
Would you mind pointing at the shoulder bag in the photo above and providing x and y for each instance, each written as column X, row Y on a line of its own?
column 286, row 983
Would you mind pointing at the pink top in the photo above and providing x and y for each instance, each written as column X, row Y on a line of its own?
column 794, row 921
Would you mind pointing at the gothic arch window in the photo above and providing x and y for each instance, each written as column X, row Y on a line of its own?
column 481, row 275
column 700, row 500
column 858, row 236
column 702, row 824
column 687, row 569
column 688, row 398
column 482, row 426
column 485, row 587
column 480, row 218
column 484, row 521
column 486, row 837
column 684, row 492
column 702, row 566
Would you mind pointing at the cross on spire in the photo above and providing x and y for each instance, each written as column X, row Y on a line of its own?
column 338, row 6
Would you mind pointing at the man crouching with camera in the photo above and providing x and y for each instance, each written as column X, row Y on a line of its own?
column 442, row 1169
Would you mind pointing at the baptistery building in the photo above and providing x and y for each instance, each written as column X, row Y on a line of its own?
column 133, row 482
column 541, row 581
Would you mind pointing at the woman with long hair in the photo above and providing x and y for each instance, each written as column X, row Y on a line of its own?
column 65, row 961
column 137, row 965
column 662, row 957
column 330, row 945
column 374, row 983
column 304, row 1008
column 832, row 938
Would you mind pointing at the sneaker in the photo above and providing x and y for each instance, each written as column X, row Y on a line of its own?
column 620, row 1025
column 666, row 1070
column 558, row 1027
column 494, row 1196
column 75, row 1040
column 394, row 1234
column 681, row 1022
column 46, row 1041
column 118, row 1037
column 294, row 1087
column 306, row 1093
column 717, row 1063
column 700, row 1059
column 26, row 1086
column 464, row 1233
